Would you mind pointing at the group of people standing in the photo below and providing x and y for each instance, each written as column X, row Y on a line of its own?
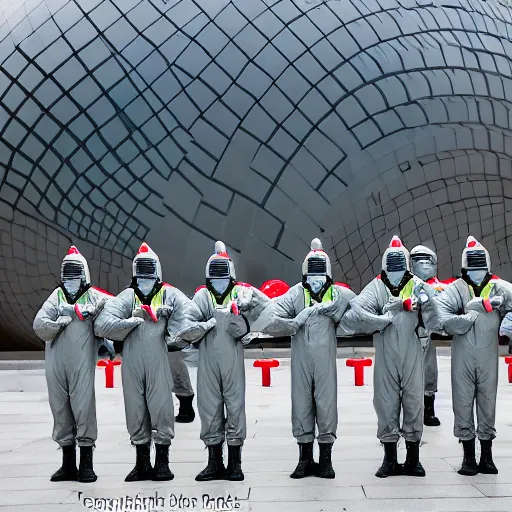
column 403, row 306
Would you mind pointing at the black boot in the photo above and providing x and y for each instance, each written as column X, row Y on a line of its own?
column 429, row 415
column 234, row 470
column 142, row 469
column 486, row 465
column 325, row 469
column 469, row 467
column 215, row 469
column 68, row 471
column 162, row 471
column 186, row 413
column 306, row 465
column 390, row 466
column 412, row 466
column 86, row 472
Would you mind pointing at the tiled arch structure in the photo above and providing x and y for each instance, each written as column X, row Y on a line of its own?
column 264, row 123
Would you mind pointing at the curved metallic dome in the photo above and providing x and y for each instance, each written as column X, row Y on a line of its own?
column 264, row 123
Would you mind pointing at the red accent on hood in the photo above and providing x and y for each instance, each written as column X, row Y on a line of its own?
column 200, row 288
column 144, row 247
column 344, row 285
column 73, row 250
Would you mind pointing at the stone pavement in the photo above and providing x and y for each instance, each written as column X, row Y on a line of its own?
column 28, row 456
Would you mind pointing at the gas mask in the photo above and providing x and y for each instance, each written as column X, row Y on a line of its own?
column 316, row 280
column 316, row 271
column 396, row 267
column 220, row 273
column 146, row 285
column 147, row 279
column 316, row 283
column 423, row 266
column 73, row 279
column 220, row 285
column 476, row 268
column 476, row 276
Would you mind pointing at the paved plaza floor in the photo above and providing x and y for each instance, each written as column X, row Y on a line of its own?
column 28, row 456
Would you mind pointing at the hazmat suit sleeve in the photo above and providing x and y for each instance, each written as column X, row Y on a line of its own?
column 503, row 289
column 280, row 317
column 337, row 307
column 115, row 321
column 48, row 324
column 185, row 324
column 364, row 314
column 251, row 303
column 199, row 319
column 238, row 326
column 451, row 310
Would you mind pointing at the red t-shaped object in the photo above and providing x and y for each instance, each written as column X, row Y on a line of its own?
column 265, row 365
column 358, row 365
column 109, row 371
column 508, row 360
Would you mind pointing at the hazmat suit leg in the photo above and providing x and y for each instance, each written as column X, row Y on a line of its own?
column 210, row 402
column 138, row 421
column 64, row 428
column 386, row 398
column 486, row 392
column 182, row 387
column 180, row 374
column 303, row 405
column 431, row 372
column 412, row 397
column 430, row 382
column 325, row 396
column 233, row 383
column 463, row 390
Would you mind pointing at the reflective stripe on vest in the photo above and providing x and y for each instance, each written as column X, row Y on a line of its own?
column 156, row 301
column 84, row 299
column 326, row 298
column 486, row 292
column 407, row 290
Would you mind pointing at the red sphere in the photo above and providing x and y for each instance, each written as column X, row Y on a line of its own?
column 274, row 288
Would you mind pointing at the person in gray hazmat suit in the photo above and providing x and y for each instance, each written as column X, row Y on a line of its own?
column 424, row 265
column 471, row 309
column 310, row 312
column 391, row 304
column 65, row 323
column 148, row 317
column 221, row 372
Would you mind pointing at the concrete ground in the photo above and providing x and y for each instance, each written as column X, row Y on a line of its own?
column 28, row 456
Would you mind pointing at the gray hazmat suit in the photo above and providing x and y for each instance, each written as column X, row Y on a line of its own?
column 70, row 366
column 221, row 371
column 391, row 304
column 232, row 308
column 147, row 378
column 473, row 318
column 65, row 323
column 398, row 374
column 313, row 362
column 474, row 355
